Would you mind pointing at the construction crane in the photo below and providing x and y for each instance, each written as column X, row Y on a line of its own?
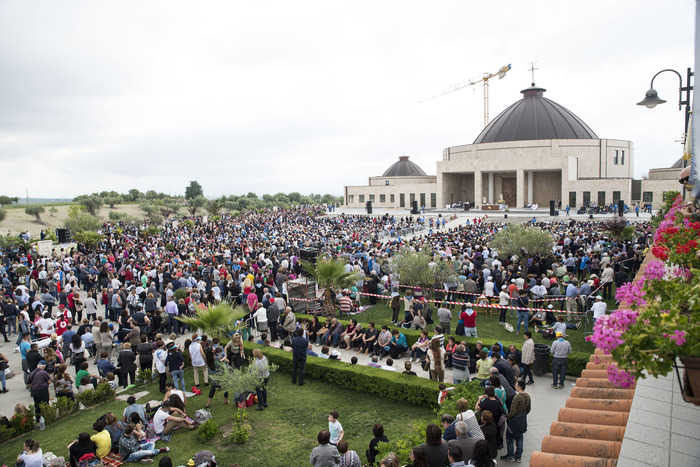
column 487, row 76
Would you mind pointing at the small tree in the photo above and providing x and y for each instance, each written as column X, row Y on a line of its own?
column 88, row 238
column 83, row 222
column 3, row 214
column 7, row 200
column 330, row 274
column 168, row 207
column 195, row 203
column 112, row 201
column 617, row 228
column 215, row 320
column 35, row 210
column 523, row 241
column 193, row 190
column 52, row 211
column 413, row 267
column 92, row 203
column 214, row 207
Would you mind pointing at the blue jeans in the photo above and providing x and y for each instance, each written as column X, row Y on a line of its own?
column 173, row 324
column 470, row 332
column 2, row 378
column 522, row 318
column 559, row 370
column 179, row 379
column 147, row 450
column 261, row 392
column 518, row 439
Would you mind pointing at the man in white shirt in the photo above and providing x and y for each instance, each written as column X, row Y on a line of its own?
column 599, row 308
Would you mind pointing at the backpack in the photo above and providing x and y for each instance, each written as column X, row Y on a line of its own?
column 548, row 334
column 201, row 416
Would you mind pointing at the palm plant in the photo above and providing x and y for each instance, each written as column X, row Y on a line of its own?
column 330, row 274
column 215, row 320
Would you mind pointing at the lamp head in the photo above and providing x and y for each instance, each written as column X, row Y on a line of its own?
column 651, row 99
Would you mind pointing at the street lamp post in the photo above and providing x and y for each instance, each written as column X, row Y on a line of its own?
column 652, row 99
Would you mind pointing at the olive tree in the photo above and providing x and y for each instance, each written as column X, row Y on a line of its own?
column 35, row 210
column 524, row 241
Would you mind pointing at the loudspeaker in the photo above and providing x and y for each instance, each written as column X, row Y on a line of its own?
column 369, row 207
column 63, row 235
column 415, row 208
column 620, row 208
column 309, row 254
column 552, row 206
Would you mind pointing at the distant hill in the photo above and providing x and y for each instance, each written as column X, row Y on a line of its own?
column 44, row 200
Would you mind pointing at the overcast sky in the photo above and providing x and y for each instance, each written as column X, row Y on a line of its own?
column 273, row 96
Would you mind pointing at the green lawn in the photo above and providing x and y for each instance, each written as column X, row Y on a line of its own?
column 282, row 435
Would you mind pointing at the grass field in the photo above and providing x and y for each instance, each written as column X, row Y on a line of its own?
column 487, row 326
column 282, row 435
column 18, row 221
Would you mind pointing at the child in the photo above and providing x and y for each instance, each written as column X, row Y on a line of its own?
column 335, row 428
column 449, row 350
column 85, row 384
column 443, row 393
column 111, row 381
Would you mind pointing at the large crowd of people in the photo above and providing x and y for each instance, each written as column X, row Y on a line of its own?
column 115, row 304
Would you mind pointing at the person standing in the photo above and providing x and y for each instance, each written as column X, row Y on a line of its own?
column 299, row 345
column 4, row 364
column 599, row 308
column 561, row 349
column 523, row 314
column 468, row 316
column 39, row 381
column 517, row 423
column 264, row 376
column 527, row 357
column 198, row 361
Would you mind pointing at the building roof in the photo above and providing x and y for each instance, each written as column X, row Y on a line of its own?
column 535, row 117
column 404, row 168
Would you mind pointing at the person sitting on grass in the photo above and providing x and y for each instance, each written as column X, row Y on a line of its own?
column 132, row 451
column 348, row 457
column 164, row 422
column 102, row 439
column 32, row 456
column 83, row 446
column 325, row 454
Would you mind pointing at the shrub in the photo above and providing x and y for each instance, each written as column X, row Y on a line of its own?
column 93, row 396
column 116, row 216
column 21, row 271
column 64, row 406
column 3, row 214
column 170, row 247
column 83, row 222
column 180, row 294
column 241, row 427
column 49, row 412
column 144, row 376
column 207, row 431
column 388, row 384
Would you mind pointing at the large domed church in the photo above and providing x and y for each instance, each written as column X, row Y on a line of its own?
column 534, row 152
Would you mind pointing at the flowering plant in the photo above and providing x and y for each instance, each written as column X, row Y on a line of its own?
column 660, row 321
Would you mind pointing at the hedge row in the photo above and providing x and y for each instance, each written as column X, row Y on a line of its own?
column 577, row 359
column 361, row 378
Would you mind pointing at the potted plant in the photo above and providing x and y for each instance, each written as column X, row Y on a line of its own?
column 660, row 322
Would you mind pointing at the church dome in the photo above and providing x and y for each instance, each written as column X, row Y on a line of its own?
column 535, row 117
column 404, row 168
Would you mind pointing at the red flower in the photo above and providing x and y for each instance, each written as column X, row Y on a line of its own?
column 660, row 252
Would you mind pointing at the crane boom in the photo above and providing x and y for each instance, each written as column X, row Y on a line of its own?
column 485, row 79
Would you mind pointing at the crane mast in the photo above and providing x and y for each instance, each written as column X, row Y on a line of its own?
column 485, row 79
